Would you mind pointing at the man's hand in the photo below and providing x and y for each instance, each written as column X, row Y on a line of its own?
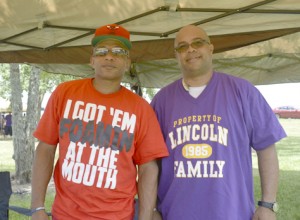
column 263, row 213
column 157, row 215
column 40, row 215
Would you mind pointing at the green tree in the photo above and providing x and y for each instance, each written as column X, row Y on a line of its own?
column 4, row 82
column 15, row 80
column 23, row 126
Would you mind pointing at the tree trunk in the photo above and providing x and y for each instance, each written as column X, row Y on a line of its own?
column 41, row 97
column 23, row 126
column 32, row 116
column 20, row 156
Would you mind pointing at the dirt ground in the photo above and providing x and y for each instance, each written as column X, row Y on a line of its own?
column 26, row 188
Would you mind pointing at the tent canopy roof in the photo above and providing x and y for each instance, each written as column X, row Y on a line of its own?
column 55, row 35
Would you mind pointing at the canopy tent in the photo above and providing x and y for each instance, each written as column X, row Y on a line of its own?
column 257, row 40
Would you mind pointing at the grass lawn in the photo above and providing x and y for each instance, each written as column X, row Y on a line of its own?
column 289, row 188
column 288, row 151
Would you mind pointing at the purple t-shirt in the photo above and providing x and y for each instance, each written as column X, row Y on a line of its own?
column 208, row 174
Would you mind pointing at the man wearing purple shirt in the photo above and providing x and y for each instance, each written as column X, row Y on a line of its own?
column 211, row 121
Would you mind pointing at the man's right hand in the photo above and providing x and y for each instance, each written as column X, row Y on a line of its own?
column 40, row 215
column 157, row 216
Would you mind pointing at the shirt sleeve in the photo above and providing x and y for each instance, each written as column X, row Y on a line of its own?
column 48, row 127
column 150, row 144
column 265, row 128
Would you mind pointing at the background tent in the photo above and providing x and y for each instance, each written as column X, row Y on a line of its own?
column 254, row 39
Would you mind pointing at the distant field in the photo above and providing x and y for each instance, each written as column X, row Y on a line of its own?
column 289, row 189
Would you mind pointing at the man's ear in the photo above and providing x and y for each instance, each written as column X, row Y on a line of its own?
column 211, row 47
column 128, row 64
column 92, row 61
column 176, row 55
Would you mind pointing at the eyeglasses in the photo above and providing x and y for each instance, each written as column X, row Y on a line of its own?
column 183, row 47
column 116, row 51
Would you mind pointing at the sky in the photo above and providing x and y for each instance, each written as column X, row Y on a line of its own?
column 281, row 94
column 276, row 95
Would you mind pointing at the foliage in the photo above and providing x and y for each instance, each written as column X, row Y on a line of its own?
column 48, row 81
column 146, row 93
column 5, row 91
column 16, row 80
column 4, row 81
column 149, row 93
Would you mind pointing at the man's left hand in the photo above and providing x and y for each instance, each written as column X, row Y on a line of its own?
column 263, row 213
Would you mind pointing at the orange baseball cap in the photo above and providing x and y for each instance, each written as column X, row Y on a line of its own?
column 112, row 31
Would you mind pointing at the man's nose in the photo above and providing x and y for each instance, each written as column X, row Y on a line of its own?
column 109, row 55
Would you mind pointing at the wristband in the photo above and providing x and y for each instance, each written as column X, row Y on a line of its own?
column 37, row 209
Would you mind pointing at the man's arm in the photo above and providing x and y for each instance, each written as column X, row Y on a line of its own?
column 269, row 176
column 147, row 189
column 41, row 174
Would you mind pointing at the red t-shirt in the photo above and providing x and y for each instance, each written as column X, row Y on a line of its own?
column 101, row 137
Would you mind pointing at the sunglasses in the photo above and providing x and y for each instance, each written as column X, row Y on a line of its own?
column 183, row 47
column 116, row 51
